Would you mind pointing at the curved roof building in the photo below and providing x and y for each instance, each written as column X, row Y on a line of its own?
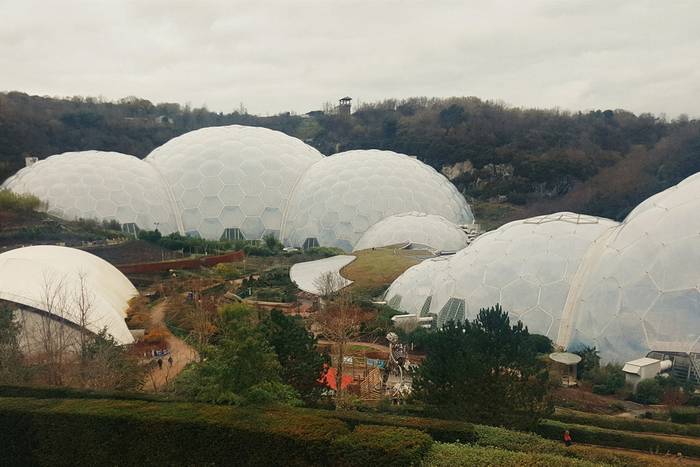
column 416, row 228
column 232, row 181
column 527, row 266
column 48, row 279
column 638, row 289
column 341, row 196
column 99, row 185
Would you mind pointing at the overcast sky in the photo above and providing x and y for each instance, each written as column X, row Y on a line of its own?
column 275, row 56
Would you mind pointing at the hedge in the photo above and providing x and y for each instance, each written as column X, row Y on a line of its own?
column 104, row 432
column 623, row 439
column 629, row 424
column 448, row 431
column 460, row 455
column 371, row 445
column 687, row 415
column 534, row 444
column 71, row 393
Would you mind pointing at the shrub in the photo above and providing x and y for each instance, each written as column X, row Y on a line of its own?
column 626, row 424
column 607, row 379
column 454, row 454
column 605, row 437
column 380, row 445
column 649, row 391
column 12, row 201
column 686, row 415
column 440, row 430
column 109, row 432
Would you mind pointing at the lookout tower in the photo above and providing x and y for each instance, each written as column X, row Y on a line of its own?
column 344, row 105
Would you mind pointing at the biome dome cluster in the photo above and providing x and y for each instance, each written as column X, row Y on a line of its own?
column 49, row 279
column 244, row 183
column 343, row 195
column 627, row 288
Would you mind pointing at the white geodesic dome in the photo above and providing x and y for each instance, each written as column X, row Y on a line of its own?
column 341, row 196
column 527, row 266
column 99, row 185
column 48, row 278
column 411, row 291
column 638, row 286
column 233, row 177
column 416, row 228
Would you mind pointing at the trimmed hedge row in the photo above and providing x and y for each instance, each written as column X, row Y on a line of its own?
column 380, row 445
column 71, row 393
column 687, row 415
column 533, row 444
column 444, row 455
column 623, row 439
column 111, row 432
column 628, row 424
column 447, row 431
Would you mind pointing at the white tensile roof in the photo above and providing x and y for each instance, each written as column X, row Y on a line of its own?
column 307, row 275
column 29, row 275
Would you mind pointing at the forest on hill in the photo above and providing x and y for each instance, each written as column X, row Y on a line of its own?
column 526, row 161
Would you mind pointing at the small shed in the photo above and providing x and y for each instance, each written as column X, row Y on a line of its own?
column 643, row 368
column 564, row 364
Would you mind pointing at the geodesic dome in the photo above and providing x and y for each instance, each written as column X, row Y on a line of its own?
column 411, row 291
column 341, row 196
column 638, row 286
column 416, row 228
column 47, row 278
column 527, row 266
column 234, row 180
column 99, row 185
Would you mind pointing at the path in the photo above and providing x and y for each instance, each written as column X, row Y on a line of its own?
column 181, row 352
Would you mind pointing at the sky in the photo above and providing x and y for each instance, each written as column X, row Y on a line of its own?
column 274, row 56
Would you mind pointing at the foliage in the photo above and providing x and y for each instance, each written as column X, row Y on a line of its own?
column 629, row 424
column 380, row 445
column 110, row 432
column 607, row 379
column 458, row 455
column 485, row 371
column 24, row 203
column 649, row 391
column 590, row 361
column 686, row 415
column 302, row 366
column 12, row 369
column 623, row 439
column 542, row 344
column 108, row 365
column 241, row 366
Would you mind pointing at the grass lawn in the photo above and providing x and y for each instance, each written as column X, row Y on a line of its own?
column 379, row 267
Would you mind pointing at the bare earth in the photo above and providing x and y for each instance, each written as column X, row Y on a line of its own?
column 181, row 352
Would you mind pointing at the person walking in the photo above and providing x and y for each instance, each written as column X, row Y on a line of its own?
column 160, row 363
column 567, row 438
column 170, row 360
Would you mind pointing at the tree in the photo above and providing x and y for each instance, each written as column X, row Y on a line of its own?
column 590, row 361
column 339, row 321
column 450, row 117
column 486, row 371
column 11, row 362
column 240, row 366
column 107, row 365
column 302, row 364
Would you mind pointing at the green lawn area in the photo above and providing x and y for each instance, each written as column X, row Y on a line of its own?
column 379, row 267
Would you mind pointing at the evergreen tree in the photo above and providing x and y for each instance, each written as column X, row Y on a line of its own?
column 485, row 371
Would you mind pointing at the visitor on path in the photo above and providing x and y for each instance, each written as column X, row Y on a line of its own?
column 170, row 360
column 567, row 438
column 160, row 363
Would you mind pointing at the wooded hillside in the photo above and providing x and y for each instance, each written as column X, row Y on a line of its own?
column 598, row 162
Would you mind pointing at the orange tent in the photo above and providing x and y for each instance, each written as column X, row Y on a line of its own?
column 329, row 379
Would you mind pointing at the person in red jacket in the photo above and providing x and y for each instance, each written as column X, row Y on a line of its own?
column 567, row 438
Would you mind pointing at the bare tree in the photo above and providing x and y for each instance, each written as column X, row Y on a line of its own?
column 339, row 321
column 53, row 332
column 329, row 284
column 83, row 300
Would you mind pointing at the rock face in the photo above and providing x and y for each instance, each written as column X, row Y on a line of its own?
column 455, row 170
